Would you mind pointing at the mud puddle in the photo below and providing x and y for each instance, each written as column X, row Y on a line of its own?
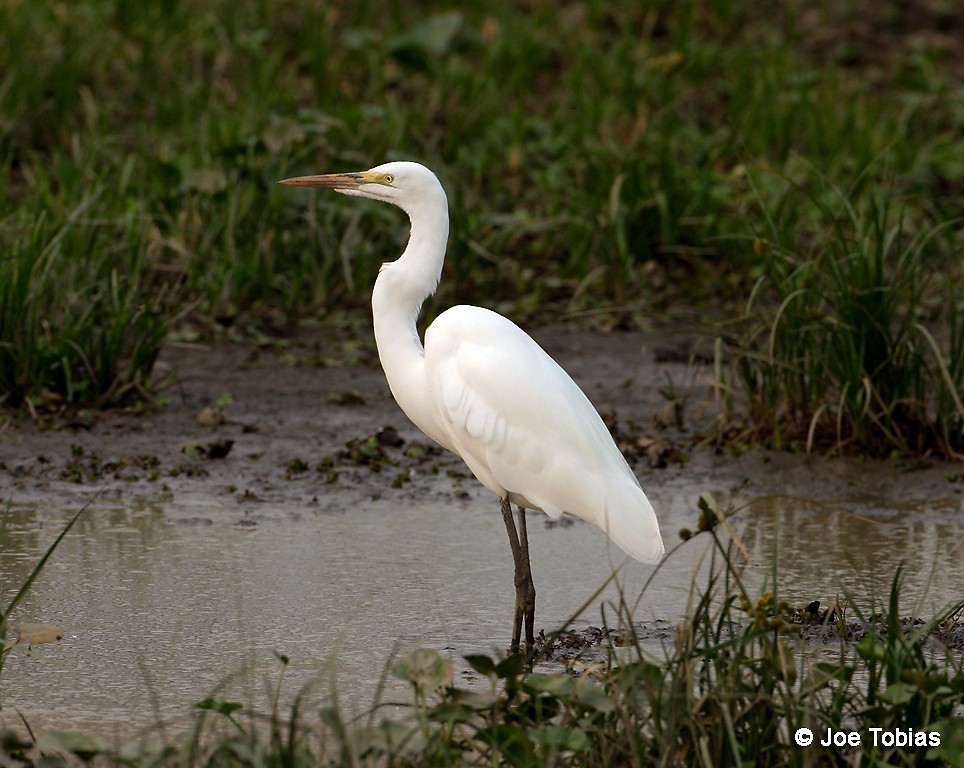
column 160, row 610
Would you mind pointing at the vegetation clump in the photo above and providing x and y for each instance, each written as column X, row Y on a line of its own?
column 853, row 335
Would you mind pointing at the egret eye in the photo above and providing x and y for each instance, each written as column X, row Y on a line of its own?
column 389, row 179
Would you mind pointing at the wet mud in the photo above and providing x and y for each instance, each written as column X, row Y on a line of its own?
column 309, row 422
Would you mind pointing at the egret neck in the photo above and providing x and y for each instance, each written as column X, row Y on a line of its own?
column 397, row 297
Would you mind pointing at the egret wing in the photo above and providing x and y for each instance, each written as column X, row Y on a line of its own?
column 528, row 432
column 517, row 418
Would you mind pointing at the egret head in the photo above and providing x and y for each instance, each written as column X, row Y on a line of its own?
column 402, row 183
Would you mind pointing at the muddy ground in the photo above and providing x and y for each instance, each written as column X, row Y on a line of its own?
column 309, row 421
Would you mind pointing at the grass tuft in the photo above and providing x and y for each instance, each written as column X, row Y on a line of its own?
column 851, row 336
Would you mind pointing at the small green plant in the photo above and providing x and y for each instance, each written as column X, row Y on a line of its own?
column 7, row 610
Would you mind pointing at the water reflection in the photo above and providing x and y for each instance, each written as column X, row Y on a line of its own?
column 829, row 549
column 159, row 609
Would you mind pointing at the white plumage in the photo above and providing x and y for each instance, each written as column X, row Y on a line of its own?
column 482, row 388
column 527, row 431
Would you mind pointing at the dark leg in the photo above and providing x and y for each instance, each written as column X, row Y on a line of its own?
column 520, row 591
column 529, row 600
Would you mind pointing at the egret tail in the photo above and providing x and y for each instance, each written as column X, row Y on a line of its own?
column 631, row 523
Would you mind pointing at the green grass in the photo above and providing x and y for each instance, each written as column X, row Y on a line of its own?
column 598, row 158
column 838, row 344
column 76, row 325
column 6, row 610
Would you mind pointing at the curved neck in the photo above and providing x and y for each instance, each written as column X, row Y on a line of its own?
column 397, row 297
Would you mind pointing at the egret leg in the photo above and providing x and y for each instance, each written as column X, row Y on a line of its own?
column 520, row 590
column 529, row 600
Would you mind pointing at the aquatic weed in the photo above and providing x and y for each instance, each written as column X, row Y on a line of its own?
column 6, row 610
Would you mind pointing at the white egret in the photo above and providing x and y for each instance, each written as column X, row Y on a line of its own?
column 483, row 389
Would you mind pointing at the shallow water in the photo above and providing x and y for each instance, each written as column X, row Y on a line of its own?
column 161, row 608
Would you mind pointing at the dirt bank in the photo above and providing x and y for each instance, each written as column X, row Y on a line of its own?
column 310, row 421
